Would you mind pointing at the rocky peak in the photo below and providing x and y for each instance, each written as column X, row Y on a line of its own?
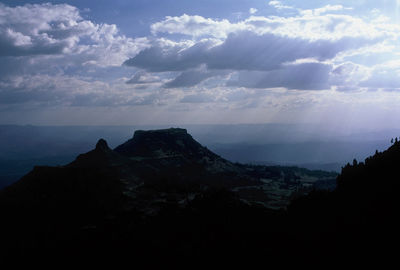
column 102, row 145
column 101, row 156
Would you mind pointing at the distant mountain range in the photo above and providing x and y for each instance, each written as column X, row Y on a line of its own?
column 161, row 194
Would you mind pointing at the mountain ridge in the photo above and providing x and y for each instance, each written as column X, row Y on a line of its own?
column 137, row 194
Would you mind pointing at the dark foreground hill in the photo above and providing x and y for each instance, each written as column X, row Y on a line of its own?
column 162, row 196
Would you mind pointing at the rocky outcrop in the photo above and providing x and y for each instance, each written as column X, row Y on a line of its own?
column 100, row 157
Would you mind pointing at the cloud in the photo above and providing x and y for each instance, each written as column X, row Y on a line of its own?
column 350, row 73
column 193, row 77
column 39, row 89
column 307, row 76
column 16, row 44
column 308, row 25
column 142, row 77
column 171, row 57
column 38, row 29
column 51, row 56
column 252, row 10
column 270, row 51
column 46, row 29
column 197, row 98
column 260, row 45
column 322, row 10
column 256, row 52
column 44, row 91
column 383, row 78
column 279, row 5
column 192, row 26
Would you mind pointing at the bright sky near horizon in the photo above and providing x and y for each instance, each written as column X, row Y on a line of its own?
column 217, row 62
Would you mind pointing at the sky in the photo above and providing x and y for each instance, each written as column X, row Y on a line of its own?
column 149, row 62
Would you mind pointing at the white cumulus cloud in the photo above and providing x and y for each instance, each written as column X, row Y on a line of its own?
column 252, row 10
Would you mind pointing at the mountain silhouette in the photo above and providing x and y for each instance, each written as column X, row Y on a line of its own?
column 163, row 194
column 170, row 149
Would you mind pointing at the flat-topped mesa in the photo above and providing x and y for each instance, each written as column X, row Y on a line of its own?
column 167, row 131
column 162, row 143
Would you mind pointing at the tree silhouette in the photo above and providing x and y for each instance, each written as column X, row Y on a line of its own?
column 355, row 162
